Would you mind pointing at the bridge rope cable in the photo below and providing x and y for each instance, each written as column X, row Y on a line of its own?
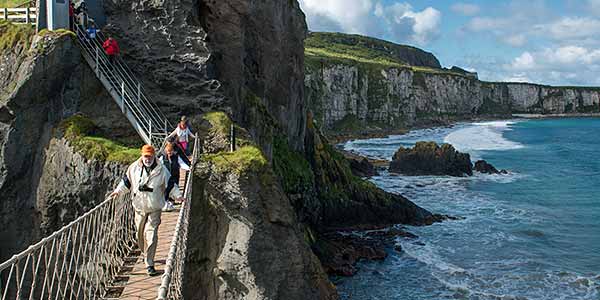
column 171, row 286
column 82, row 259
column 76, row 262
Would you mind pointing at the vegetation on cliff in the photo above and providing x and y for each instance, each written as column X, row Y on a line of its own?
column 83, row 135
column 367, row 49
column 12, row 35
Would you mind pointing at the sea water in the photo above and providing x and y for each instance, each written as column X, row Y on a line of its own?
column 531, row 234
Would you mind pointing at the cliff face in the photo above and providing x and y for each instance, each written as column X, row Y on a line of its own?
column 238, row 56
column 245, row 240
column 40, row 174
column 349, row 95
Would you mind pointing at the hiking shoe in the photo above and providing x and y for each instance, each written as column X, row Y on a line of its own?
column 152, row 271
column 168, row 206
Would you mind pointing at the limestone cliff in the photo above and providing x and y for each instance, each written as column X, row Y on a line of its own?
column 355, row 95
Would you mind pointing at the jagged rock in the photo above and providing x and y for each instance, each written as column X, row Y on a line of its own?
column 483, row 166
column 245, row 241
column 241, row 56
column 43, row 84
column 340, row 249
column 362, row 168
column 427, row 158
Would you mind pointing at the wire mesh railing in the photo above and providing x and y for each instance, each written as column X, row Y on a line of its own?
column 172, row 280
column 79, row 261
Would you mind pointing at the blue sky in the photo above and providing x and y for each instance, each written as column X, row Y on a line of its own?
column 548, row 42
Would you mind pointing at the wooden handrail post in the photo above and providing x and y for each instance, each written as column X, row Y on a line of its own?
column 5, row 14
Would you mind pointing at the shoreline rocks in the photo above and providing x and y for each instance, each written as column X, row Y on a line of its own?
column 427, row 158
column 484, row 167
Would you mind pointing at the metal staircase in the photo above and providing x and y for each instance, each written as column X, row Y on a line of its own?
column 143, row 114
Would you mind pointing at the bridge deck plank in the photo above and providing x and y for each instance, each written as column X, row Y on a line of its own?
column 139, row 285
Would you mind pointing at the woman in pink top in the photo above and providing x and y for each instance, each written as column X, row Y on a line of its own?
column 182, row 132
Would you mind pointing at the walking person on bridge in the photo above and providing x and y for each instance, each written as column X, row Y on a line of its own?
column 174, row 161
column 182, row 133
column 147, row 180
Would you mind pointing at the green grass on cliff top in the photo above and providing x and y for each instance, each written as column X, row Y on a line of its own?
column 81, row 134
column 349, row 49
column 13, row 34
column 12, row 3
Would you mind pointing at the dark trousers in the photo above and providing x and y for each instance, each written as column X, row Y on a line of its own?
column 172, row 182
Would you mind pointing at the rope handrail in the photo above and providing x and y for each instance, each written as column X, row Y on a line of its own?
column 172, row 280
column 78, row 261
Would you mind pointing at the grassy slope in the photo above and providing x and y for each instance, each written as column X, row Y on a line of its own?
column 335, row 48
column 81, row 134
column 12, row 3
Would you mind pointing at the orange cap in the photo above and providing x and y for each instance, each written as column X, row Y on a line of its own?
column 147, row 150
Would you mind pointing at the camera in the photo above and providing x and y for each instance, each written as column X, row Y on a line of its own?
column 145, row 188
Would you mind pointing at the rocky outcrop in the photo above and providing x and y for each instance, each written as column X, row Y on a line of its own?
column 362, row 167
column 427, row 158
column 484, row 167
column 71, row 184
column 45, row 82
column 246, row 242
column 237, row 55
column 348, row 96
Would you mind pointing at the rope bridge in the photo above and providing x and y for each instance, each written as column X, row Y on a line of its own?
column 83, row 259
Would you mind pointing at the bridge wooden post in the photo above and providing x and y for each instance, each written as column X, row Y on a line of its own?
column 27, row 21
column 5, row 14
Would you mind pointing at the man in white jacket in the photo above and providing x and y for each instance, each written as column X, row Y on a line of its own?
column 146, row 179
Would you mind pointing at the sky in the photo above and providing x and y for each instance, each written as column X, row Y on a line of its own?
column 548, row 42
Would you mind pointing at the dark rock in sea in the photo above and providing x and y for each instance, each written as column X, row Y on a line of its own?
column 483, row 166
column 427, row 158
column 362, row 167
column 340, row 250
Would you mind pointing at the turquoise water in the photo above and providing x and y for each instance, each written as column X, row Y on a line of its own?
column 532, row 234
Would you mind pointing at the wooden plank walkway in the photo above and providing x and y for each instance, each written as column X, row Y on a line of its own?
column 139, row 285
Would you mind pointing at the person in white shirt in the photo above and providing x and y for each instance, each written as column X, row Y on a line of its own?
column 146, row 180
column 182, row 133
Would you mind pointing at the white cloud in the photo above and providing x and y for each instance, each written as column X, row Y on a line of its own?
column 523, row 62
column 466, row 9
column 424, row 25
column 571, row 28
column 370, row 17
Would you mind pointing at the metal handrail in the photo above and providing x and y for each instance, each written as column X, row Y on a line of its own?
column 172, row 280
column 148, row 118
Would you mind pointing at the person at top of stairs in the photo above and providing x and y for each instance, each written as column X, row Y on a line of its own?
column 146, row 180
column 173, row 160
column 182, row 133
column 111, row 47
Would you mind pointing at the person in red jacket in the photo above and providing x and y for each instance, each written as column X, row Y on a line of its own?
column 111, row 47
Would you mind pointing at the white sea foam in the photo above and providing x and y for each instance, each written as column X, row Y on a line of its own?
column 481, row 137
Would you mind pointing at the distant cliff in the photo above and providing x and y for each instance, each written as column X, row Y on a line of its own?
column 353, row 95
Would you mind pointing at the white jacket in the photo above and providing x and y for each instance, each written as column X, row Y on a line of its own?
column 158, row 178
